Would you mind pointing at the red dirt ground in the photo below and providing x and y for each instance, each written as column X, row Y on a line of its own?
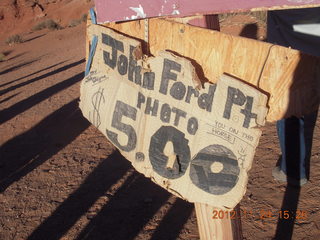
column 61, row 179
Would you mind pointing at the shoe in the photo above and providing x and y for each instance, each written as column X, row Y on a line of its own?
column 280, row 176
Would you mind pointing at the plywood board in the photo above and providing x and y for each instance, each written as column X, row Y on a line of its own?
column 122, row 10
column 195, row 139
column 218, row 224
column 289, row 77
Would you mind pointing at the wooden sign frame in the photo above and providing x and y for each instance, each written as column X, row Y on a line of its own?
column 290, row 60
column 124, row 10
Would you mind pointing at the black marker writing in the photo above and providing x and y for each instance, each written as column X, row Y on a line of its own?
column 96, row 102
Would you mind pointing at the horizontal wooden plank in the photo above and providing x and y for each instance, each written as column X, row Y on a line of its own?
column 123, row 10
column 287, row 75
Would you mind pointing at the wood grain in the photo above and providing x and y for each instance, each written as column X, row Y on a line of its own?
column 217, row 229
column 287, row 75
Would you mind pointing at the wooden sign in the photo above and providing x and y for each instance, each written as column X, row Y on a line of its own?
column 289, row 77
column 196, row 139
column 123, row 10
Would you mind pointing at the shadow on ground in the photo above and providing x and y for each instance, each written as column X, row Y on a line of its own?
column 33, row 100
column 23, row 153
column 133, row 205
column 125, row 214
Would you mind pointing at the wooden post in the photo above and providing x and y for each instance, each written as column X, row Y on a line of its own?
column 221, row 228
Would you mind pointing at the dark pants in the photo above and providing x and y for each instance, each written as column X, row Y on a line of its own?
column 295, row 136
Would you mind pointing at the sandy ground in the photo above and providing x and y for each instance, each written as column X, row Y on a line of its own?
column 61, row 179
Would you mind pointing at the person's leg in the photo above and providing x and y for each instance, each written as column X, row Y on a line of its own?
column 281, row 137
column 309, row 125
column 292, row 166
